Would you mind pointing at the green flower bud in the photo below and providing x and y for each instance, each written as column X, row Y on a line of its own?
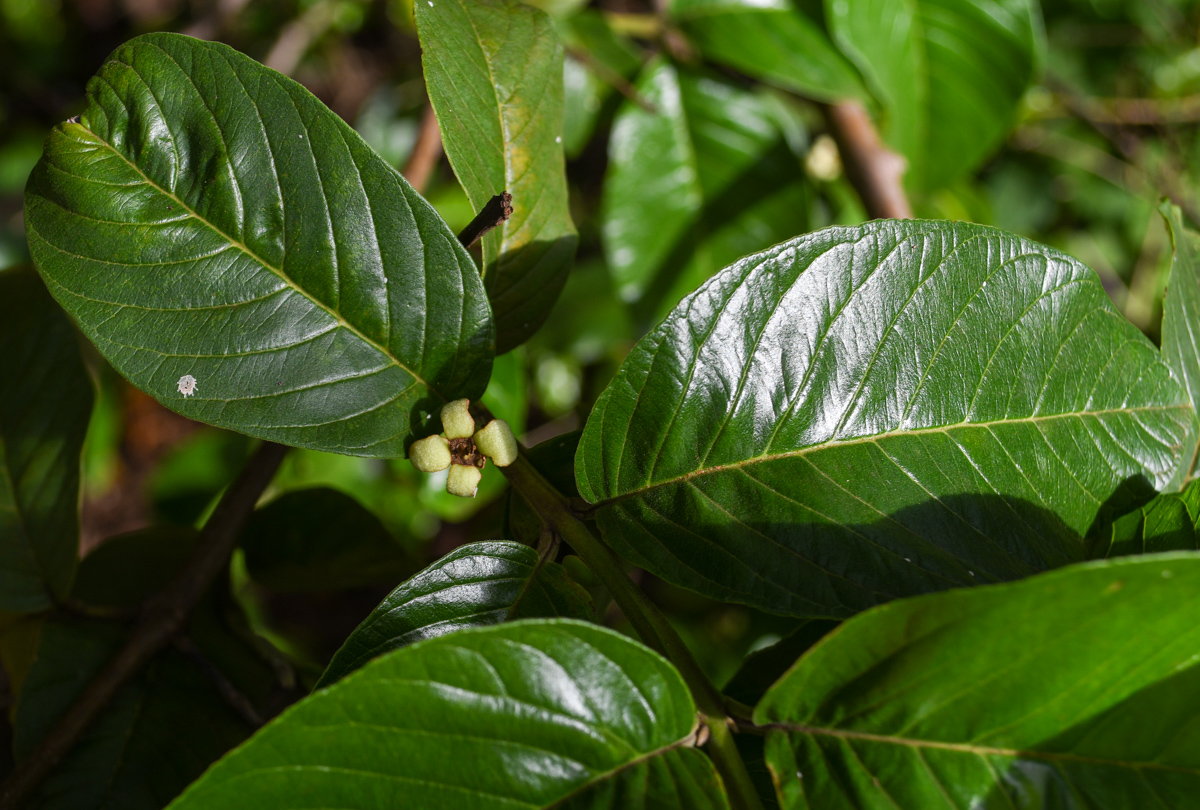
column 431, row 454
column 497, row 442
column 463, row 481
column 456, row 419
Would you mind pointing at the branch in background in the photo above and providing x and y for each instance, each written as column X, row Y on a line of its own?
column 875, row 171
column 298, row 36
column 1161, row 179
column 229, row 693
column 426, row 153
column 610, row 77
column 218, row 20
column 496, row 212
column 1134, row 111
column 647, row 620
column 162, row 617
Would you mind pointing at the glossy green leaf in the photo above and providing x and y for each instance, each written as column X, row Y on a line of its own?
column 949, row 74
column 1170, row 522
column 493, row 70
column 321, row 540
column 209, row 217
column 45, row 404
column 1181, row 322
column 162, row 728
column 873, row 412
column 705, row 177
column 771, row 41
column 473, row 586
column 1075, row 689
column 534, row 714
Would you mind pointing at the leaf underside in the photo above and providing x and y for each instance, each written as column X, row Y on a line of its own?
column 874, row 412
column 210, row 217
column 45, row 404
column 1076, row 689
column 494, row 73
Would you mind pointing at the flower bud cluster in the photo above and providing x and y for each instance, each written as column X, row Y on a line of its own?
column 463, row 449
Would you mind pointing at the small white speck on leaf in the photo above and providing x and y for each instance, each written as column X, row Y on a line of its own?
column 558, row 139
column 187, row 385
column 908, row 559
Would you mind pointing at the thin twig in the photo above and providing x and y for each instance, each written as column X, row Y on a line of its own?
column 610, row 77
column 496, row 212
column 162, row 618
column 426, row 153
column 1134, row 111
column 875, row 171
column 229, row 693
column 298, row 36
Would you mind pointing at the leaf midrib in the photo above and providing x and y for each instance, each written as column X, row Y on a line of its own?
column 897, row 432
column 969, row 748
column 337, row 316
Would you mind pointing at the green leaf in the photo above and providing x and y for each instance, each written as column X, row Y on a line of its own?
column 704, row 178
column 874, row 412
column 162, row 728
column 1170, row 522
column 1074, row 689
column 45, row 404
column 534, row 714
column 1181, row 314
column 949, row 74
column 772, row 41
column 209, row 217
column 473, row 586
column 321, row 540
column 493, row 70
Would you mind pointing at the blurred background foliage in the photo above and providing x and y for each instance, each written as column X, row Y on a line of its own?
column 1106, row 128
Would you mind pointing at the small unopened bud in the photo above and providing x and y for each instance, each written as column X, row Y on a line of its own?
column 431, row 454
column 456, row 419
column 463, row 480
column 497, row 442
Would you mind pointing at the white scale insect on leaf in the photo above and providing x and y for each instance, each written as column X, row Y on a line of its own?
column 187, row 385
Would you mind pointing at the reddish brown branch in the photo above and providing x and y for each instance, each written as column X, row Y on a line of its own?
column 875, row 171
column 426, row 153
column 161, row 619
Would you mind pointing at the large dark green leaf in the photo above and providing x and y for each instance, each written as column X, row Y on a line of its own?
column 45, row 404
column 473, row 586
column 703, row 177
column 771, row 41
column 873, row 412
column 948, row 73
column 1181, row 322
column 534, row 714
column 320, row 540
column 164, row 727
column 209, row 217
column 1075, row 689
column 494, row 69
column 1167, row 523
